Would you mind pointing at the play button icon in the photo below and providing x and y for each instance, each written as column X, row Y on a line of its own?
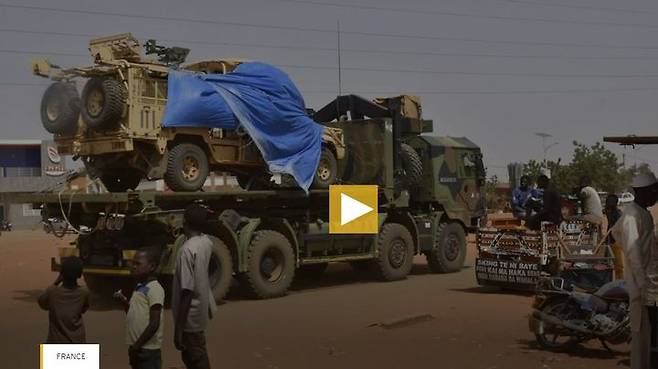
column 353, row 209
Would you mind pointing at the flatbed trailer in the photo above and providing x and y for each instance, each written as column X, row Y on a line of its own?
column 261, row 237
column 429, row 197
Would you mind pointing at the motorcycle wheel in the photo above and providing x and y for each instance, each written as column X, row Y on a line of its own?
column 557, row 338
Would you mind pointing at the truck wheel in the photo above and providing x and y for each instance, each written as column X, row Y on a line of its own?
column 121, row 180
column 325, row 175
column 103, row 102
column 412, row 165
column 220, row 269
column 60, row 108
column 449, row 249
column 396, row 252
column 312, row 270
column 187, row 168
column 270, row 265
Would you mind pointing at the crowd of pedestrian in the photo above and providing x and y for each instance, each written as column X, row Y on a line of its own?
column 192, row 302
column 632, row 238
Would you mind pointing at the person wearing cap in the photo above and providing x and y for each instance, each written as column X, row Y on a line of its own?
column 635, row 232
column 192, row 301
column 592, row 208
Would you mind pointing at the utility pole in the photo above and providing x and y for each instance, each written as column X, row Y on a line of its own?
column 545, row 147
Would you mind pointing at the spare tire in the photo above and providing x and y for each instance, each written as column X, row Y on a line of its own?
column 103, row 102
column 412, row 166
column 60, row 108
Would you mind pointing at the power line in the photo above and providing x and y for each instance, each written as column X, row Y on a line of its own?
column 394, row 70
column 322, row 30
column 357, row 51
column 494, row 92
column 465, row 73
column 470, row 15
column 445, row 92
column 582, row 7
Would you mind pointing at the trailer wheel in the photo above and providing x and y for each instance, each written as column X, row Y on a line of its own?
column 325, row 175
column 60, row 108
column 270, row 265
column 449, row 250
column 187, row 168
column 220, row 269
column 396, row 252
column 103, row 102
column 121, row 180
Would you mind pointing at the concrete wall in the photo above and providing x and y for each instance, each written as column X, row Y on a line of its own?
column 21, row 216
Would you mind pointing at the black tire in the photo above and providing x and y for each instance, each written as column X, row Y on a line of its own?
column 270, row 265
column 312, row 270
column 220, row 270
column 60, row 108
column 187, row 168
column 449, row 250
column 103, row 103
column 327, row 170
column 395, row 252
column 412, row 166
column 121, row 180
column 561, row 309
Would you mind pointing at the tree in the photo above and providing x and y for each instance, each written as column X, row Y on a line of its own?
column 597, row 162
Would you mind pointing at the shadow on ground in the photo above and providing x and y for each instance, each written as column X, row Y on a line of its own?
column 592, row 351
column 491, row 290
column 27, row 295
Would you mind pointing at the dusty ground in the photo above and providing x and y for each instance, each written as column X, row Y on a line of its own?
column 323, row 323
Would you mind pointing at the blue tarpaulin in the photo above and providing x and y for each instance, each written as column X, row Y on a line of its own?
column 260, row 98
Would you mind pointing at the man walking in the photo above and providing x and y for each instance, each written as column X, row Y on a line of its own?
column 635, row 232
column 192, row 302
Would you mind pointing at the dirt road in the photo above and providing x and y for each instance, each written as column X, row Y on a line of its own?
column 330, row 322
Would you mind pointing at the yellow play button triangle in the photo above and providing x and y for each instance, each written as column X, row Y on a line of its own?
column 351, row 208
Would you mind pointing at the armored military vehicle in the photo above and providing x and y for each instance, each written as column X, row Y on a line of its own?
column 114, row 125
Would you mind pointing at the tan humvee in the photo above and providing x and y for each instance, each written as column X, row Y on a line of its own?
column 114, row 125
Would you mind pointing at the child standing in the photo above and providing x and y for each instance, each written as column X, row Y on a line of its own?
column 144, row 318
column 65, row 304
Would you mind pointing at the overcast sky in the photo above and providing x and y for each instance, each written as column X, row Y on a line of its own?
column 496, row 71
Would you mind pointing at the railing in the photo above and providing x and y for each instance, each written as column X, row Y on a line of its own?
column 10, row 172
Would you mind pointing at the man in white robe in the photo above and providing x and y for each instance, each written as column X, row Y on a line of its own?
column 635, row 232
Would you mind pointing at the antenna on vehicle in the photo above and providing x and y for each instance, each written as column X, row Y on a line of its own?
column 340, row 81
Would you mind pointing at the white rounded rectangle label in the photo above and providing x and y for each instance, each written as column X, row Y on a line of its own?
column 70, row 356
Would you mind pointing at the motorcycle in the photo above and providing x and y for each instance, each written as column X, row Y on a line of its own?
column 563, row 317
column 5, row 226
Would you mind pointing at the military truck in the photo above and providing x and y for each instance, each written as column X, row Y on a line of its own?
column 114, row 125
column 429, row 198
